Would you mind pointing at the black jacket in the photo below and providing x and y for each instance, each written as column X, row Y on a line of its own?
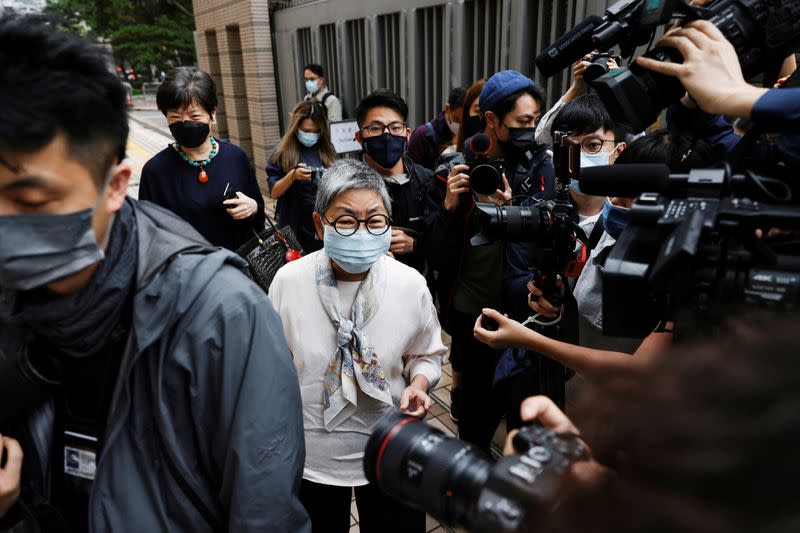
column 450, row 237
column 415, row 205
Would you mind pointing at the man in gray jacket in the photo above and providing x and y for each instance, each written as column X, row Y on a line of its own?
column 145, row 375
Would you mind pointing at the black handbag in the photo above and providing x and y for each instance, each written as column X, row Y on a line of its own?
column 266, row 253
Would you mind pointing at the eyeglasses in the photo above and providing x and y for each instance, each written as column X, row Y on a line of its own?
column 593, row 145
column 376, row 128
column 347, row 225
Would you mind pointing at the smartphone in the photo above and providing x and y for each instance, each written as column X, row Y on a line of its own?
column 230, row 192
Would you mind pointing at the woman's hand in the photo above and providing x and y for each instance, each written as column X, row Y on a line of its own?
column 414, row 399
column 241, row 207
column 301, row 173
column 9, row 473
column 509, row 334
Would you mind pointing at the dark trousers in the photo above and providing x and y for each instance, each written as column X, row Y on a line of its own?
column 328, row 507
column 476, row 363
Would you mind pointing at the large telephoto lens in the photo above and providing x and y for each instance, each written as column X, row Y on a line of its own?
column 422, row 467
column 485, row 179
column 512, row 223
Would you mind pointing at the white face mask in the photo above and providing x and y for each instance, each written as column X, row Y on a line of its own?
column 453, row 127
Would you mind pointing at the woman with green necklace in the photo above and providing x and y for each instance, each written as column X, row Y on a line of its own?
column 190, row 177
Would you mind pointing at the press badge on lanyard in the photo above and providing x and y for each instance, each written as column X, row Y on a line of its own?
column 80, row 458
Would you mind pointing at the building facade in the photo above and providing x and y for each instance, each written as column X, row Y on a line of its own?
column 256, row 50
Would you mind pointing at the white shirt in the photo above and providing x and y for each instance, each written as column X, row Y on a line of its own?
column 404, row 332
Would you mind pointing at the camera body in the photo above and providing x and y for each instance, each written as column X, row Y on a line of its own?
column 598, row 65
column 763, row 32
column 485, row 174
column 316, row 172
column 453, row 480
column 691, row 253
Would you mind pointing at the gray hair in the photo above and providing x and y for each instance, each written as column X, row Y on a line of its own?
column 347, row 175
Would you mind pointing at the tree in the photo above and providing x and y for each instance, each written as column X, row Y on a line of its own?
column 142, row 33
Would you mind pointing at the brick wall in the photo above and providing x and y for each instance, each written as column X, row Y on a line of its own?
column 234, row 46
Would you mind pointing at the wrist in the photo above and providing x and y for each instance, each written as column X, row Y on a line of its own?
column 742, row 101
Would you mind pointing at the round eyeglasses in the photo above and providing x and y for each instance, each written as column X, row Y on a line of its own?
column 593, row 145
column 347, row 225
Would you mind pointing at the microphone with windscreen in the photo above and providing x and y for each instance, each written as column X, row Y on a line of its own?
column 572, row 46
column 631, row 180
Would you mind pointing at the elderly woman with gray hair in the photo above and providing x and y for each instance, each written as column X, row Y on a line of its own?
column 365, row 338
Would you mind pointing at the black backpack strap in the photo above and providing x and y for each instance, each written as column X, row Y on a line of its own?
column 326, row 96
column 595, row 235
column 432, row 132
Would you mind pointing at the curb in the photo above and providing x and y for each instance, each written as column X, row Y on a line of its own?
column 150, row 127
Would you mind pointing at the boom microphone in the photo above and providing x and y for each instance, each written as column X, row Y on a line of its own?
column 624, row 180
column 572, row 46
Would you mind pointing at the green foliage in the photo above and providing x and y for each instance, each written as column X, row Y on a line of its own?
column 141, row 32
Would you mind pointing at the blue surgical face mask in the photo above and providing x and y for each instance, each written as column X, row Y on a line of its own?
column 614, row 218
column 312, row 86
column 358, row 252
column 575, row 186
column 307, row 139
column 36, row 250
column 594, row 160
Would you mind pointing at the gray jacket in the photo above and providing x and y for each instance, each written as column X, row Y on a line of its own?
column 205, row 427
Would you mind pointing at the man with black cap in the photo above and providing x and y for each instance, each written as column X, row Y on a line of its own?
column 472, row 276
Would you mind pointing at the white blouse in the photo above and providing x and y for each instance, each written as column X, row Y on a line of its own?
column 404, row 332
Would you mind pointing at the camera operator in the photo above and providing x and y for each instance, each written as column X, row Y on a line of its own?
column 383, row 135
column 599, row 356
column 470, row 276
column 164, row 394
column 521, row 373
column 700, row 440
column 712, row 76
column 544, row 130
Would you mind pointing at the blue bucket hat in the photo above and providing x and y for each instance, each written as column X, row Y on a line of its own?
column 501, row 85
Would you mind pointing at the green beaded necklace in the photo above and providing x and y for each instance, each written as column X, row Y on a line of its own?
column 202, row 177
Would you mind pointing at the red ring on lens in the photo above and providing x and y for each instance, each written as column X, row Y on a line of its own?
column 383, row 448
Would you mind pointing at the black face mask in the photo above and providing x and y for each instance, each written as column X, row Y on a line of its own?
column 472, row 125
column 386, row 149
column 520, row 140
column 190, row 133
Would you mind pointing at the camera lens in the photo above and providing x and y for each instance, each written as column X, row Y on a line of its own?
column 485, row 179
column 597, row 68
column 513, row 223
column 419, row 465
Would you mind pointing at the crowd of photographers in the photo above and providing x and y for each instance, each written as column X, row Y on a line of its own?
column 151, row 385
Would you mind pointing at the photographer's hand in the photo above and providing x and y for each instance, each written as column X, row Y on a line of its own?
column 539, row 304
column 584, row 475
column 500, row 198
column 510, row 333
column 710, row 71
column 457, row 184
column 9, row 473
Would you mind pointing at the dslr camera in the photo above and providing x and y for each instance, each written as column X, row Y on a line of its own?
column 455, row 482
column 690, row 250
column 763, row 32
column 485, row 174
column 599, row 64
